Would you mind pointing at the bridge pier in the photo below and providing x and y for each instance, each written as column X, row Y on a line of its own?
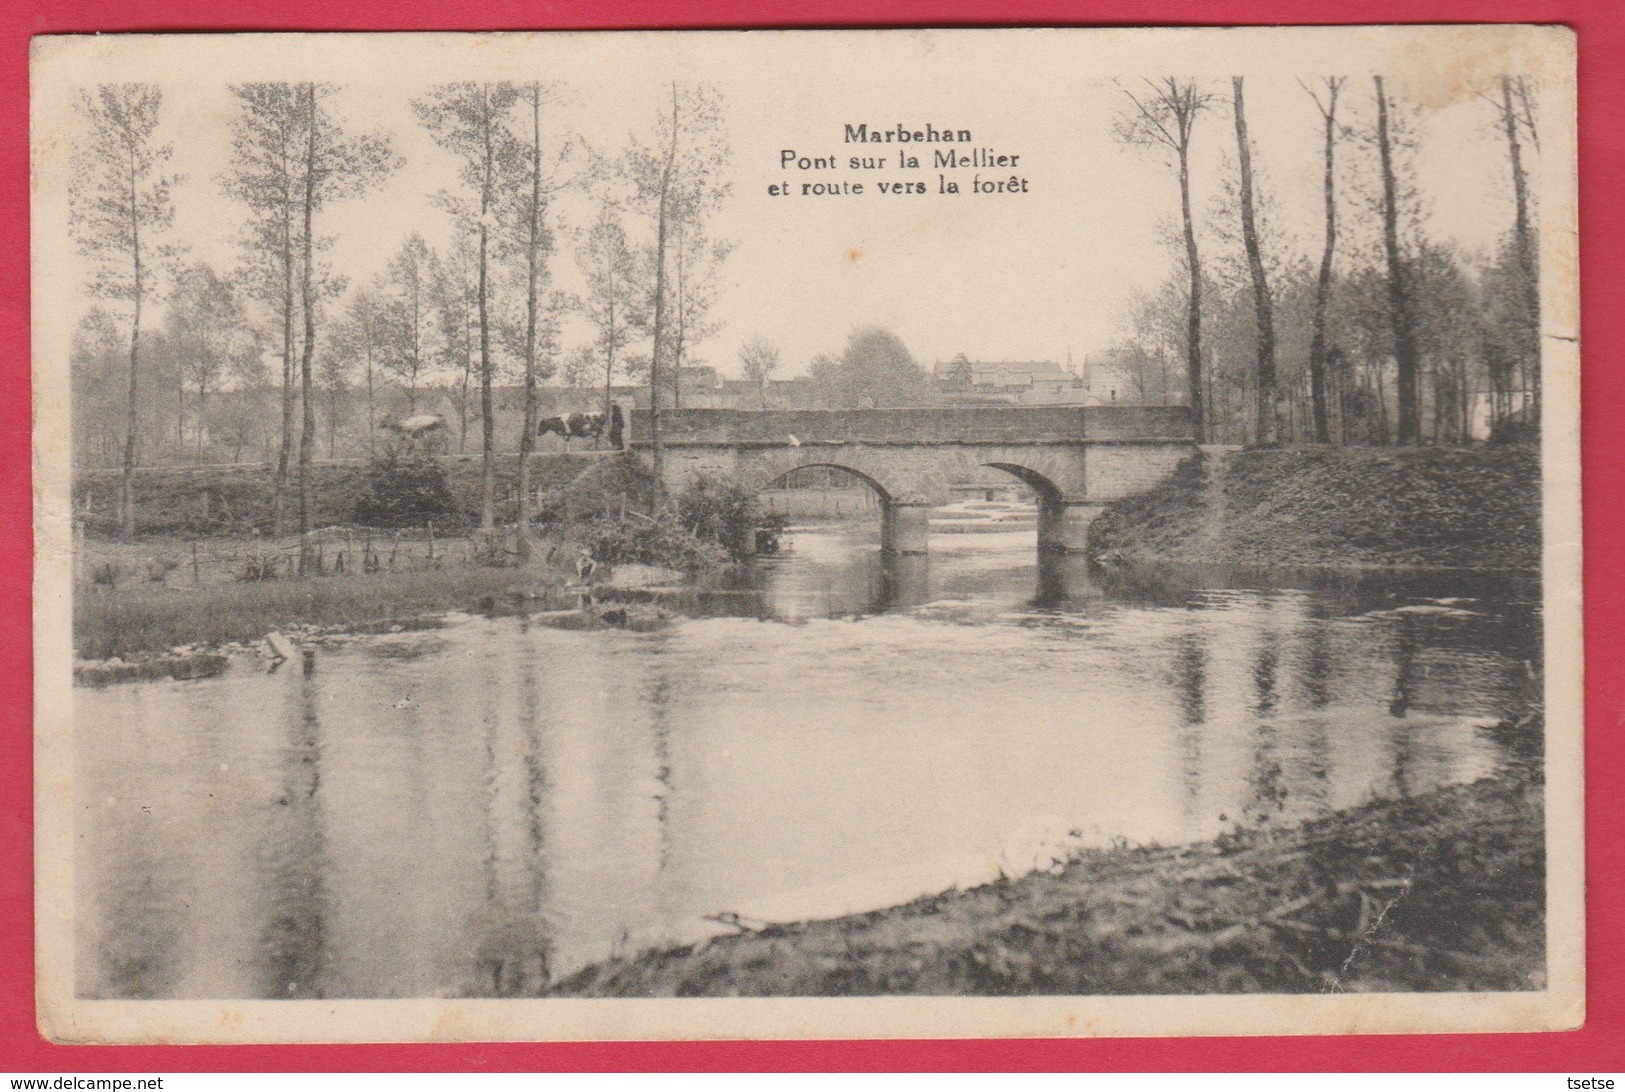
column 904, row 528
column 1063, row 525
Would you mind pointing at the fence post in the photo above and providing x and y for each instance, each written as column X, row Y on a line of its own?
column 431, row 542
column 197, row 579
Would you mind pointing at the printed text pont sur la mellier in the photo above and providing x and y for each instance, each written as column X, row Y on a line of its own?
column 896, row 171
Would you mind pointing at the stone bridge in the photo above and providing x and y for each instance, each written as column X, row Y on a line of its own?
column 1075, row 458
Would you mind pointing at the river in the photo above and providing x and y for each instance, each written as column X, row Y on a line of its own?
column 481, row 808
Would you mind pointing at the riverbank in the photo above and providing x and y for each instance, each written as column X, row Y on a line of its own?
column 1341, row 507
column 1444, row 891
column 150, row 630
column 151, row 619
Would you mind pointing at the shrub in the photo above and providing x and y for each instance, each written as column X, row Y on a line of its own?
column 727, row 514
column 649, row 541
column 610, row 487
column 406, row 490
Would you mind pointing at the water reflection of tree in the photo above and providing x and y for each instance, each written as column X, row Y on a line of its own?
column 532, row 720
column 660, row 733
column 1317, row 672
column 139, row 925
column 1404, row 646
column 512, row 958
column 1266, row 667
column 904, row 581
column 1317, row 675
column 1063, row 578
column 1190, row 687
column 1405, row 674
column 294, row 942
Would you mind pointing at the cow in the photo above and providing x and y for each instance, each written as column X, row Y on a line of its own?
column 418, row 432
column 592, row 425
column 415, row 425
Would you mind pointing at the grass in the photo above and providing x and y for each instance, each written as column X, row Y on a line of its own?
column 1443, row 891
column 1441, row 507
column 149, row 618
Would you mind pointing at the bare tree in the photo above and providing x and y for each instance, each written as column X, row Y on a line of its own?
column 405, row 315
column 334, row 368
column 468, row 120
column 678, row 181
column 534, row 191
column 1263, row 315
column 120, row 199
column 760, row 359
column 1399, row 295
column 580, row 367
column 264, row 175
column 98, row 362
column 696, row 263
column 452, row 288
column 1517, row 117
column 1323, row 283
column 613, row 296
column 207, row 333
column 1165, row 116
column 336, row 165
column 357, row 341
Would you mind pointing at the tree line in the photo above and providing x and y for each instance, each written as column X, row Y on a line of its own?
column 1381, row 334
column 454, row 319
column 1386, row 335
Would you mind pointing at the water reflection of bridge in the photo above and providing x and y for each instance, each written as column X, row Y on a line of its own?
column 1075, row 459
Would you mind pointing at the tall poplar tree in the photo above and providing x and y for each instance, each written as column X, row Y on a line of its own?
column 264, row 174
column 679, row 180
column 468, row 119
column 1401, row 315
column 1164, row 116
column 1318, row 348
column 335, row 165
column 120, row 198
column 1264, row 426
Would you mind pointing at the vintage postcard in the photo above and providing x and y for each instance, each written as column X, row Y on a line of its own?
column 1014, row 532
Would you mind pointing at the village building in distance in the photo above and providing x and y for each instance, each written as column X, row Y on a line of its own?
column 962, row 381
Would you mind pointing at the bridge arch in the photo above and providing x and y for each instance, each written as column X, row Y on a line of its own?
column 904, row 514
column 1047, row 490
column 1063, row 516
column 880, row 490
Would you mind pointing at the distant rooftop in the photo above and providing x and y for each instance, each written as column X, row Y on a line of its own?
column 1000, row 374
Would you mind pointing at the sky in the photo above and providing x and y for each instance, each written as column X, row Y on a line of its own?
column 1044, row 274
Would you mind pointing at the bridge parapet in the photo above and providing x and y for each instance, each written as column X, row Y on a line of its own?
column 1075, row 458
column 922, row 425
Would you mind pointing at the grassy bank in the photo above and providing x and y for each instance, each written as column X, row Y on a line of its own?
column 1440, row 892
column 207, row 501
column 150, row 618
column 1436, row 507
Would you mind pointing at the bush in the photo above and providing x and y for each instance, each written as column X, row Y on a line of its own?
column 406, row 490
column 610, row 487
column 649, row 541
column 709, row 523
column 727, row 514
